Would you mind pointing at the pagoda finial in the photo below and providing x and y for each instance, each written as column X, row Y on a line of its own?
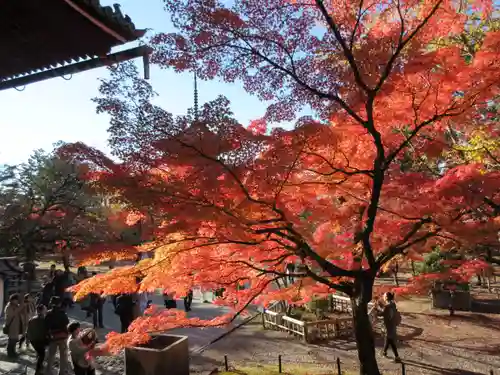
column 195, row 98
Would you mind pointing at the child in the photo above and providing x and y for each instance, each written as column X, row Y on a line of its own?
column 37, row 336
column 80, row 343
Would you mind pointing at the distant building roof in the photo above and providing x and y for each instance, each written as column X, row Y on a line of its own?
column 39, row 36
column 9, row 265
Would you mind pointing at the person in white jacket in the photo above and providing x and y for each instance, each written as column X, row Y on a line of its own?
column 80, row 344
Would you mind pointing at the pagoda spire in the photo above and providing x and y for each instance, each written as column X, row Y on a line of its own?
column 195, row 97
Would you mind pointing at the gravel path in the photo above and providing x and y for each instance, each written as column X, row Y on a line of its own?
column 197, row 338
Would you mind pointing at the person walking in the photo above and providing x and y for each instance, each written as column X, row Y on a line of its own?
column 169, row 300
column 96, row 307
column 143, row 301
column 29, row 311
column 59, row 285
column 125, row 306
column 13, row 324
column 391, row 318
column 47, row 291
column 37, row 336
column 80, row 343
column 52, row 271
column 57, row 322
column 188, row 300
column 290, row 270
column 68, row 281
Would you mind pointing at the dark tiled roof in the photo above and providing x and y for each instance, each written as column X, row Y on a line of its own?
column 37, row 35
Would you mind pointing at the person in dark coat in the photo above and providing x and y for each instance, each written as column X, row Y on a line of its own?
column 188, row 300
column 38, row 337
column 59, row 285
column 169, row 300
column 96, row 307
column 67, row 280
column 47, row 292
column 125, row 305
column 389, row 314
column 52, row 271
column 57, row 322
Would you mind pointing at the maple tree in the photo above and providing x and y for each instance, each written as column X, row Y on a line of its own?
column 343, row 195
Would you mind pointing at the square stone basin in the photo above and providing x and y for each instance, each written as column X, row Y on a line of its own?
column 162, row 355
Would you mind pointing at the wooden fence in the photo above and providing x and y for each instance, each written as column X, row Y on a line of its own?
column 319, row 330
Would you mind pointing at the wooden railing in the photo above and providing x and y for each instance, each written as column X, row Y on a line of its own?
column 340, row 304
column 274, row 318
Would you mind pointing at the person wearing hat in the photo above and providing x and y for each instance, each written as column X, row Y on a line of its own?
column 80, row 344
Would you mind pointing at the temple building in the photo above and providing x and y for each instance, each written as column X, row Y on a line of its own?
column 43, row 39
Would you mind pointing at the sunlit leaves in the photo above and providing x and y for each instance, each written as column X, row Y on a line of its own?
column 343, row 193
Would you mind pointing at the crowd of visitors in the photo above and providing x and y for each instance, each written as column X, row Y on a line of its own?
column 43, row 323
column 49, row 332
column 56, row 284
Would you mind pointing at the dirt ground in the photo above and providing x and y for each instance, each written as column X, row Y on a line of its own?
column 430, row 343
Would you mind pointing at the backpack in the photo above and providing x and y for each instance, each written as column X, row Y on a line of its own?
column 119, row 310
column 397, row 317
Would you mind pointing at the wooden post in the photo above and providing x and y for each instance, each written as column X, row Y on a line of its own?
column 337, row 328
column 488, row 281
column 279, row 364
column 226, row 364
column 339, row 371
column 307, row 338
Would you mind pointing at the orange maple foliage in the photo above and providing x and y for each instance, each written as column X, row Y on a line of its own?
column 233, row 205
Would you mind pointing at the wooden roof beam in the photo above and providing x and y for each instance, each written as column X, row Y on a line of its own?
column 82, row 66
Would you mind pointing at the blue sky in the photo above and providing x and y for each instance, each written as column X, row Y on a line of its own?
column 56, row 109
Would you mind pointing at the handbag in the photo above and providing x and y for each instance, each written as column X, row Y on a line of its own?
column 58, row 335
column 6, row 327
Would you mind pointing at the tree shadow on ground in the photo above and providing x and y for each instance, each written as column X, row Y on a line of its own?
column 411, row 333
column 484, row 349
column 340, row 343
column 486, row 306
column 200, row 363
column 444, row 371
column 473, row 318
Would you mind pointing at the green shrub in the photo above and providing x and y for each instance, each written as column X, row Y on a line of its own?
column 431, row 263
column 319, row 306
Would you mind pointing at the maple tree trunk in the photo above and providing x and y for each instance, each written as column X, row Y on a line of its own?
column 30, row 276
column 363, row 331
